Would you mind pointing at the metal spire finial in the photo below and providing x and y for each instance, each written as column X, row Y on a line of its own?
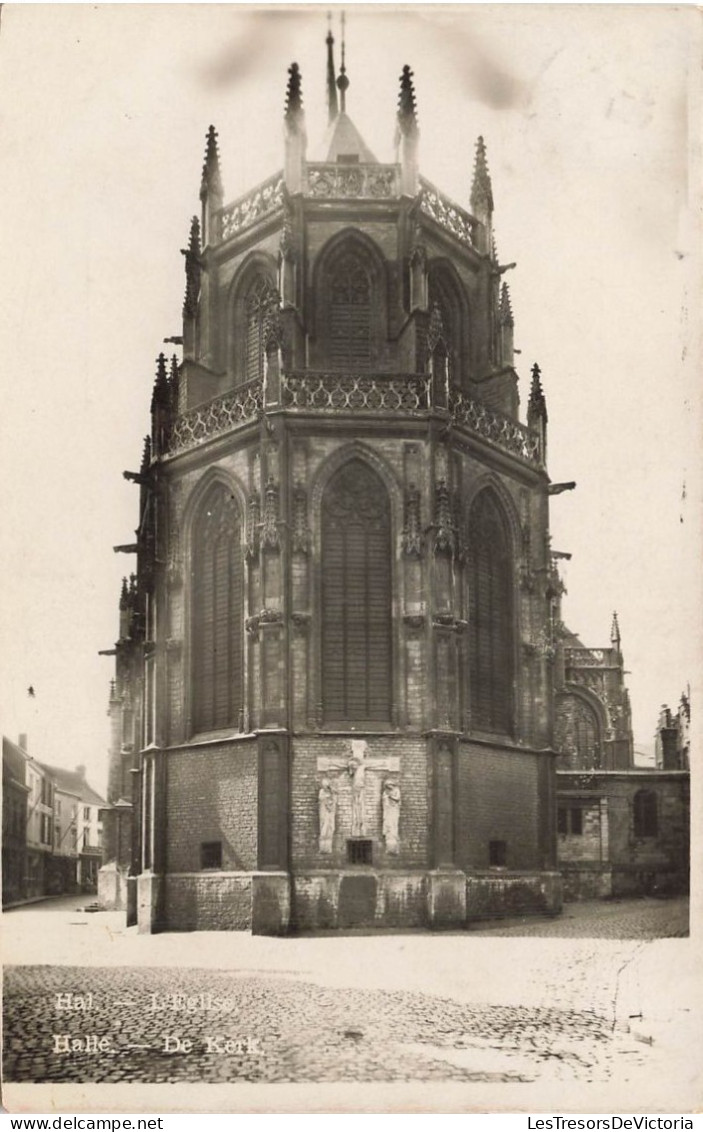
column 343, row 81
column 332, row 107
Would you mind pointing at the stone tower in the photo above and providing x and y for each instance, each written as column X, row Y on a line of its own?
column 341, row 620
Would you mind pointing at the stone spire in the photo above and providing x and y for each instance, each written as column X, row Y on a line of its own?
column 615, row 633
column 160, row 395
column 537, row 410
column 146, row 456
column 505, row 328
column 481, row 188
column 294, row 97
column 407, row 107
column 407, row 135
column 506, row 310
column 160, row 408
column 537, row 403
column 295, row 136
column 211, row 191
column 482, row 198
column 211, row 181
column 332, row 106
column 192, row 258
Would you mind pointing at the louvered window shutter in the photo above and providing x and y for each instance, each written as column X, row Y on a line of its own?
column 258, row 300
column 356, row 597
column 491, row 661
column 350, row 315
column 217, row 614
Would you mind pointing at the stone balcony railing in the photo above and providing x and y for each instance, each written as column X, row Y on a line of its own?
column 500, row 430
column 221, row 415
column 264, row 199
column 587, row 658
column 447, row 214
column 400, row 394
column 340, row 181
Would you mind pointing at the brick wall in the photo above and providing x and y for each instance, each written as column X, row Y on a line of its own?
column 497, row 800
column 209, row 902
column 305, row 827
column 212, row 796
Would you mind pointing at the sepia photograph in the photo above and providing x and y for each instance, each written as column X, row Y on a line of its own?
column 351, row 605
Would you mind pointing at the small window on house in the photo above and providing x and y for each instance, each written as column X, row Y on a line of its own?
column 645, row 814
column 497, row 853
column 570, row 820
column 86, row 813
column 359, row 851
column 211, row 855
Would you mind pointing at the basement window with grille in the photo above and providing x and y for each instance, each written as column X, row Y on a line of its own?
column 211, row 855
column 498, row 854
column 359, row 851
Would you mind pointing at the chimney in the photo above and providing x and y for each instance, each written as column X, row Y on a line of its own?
column 22, row 742
column 80, row 771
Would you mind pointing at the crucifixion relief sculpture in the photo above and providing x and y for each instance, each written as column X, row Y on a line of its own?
column 350, row 778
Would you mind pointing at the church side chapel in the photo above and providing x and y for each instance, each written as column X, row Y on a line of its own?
column 333, row 704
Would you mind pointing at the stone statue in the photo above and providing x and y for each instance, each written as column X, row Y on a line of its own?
column 327, row 805
column 357, row 772
column 390, row 801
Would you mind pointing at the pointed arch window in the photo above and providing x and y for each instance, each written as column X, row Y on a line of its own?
column 349, row 328
column 490, row 603
column 217, row 608
column 577, row 734
column 356, row 597
column 443, row 295
column 259, row 298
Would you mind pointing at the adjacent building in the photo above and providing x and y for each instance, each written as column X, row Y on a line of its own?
column 52, row 828
column 672, row 740
column 621, row 830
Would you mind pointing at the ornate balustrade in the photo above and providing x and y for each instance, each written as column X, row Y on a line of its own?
column 216, row 417
column 408, row 393
column 448, row 215
column 405, row 393
column 586, row 658
column 265, row 198
column 503, row 431
column 353, row 181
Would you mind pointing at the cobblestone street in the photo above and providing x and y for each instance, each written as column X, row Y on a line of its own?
column 546, row 1005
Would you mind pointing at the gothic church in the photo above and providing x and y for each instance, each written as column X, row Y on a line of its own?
column 334, row 693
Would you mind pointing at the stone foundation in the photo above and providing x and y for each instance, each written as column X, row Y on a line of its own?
column 274, row 903
column 112, row 887
column 500, row 893
column 149, row 890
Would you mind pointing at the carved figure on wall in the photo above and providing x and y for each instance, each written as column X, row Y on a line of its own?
column 390, row 801
column 357, row 772
column 327, row 806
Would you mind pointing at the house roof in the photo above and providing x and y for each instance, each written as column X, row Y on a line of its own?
column 73, row 782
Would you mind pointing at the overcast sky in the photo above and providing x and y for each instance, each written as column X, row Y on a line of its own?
column 587, row 117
